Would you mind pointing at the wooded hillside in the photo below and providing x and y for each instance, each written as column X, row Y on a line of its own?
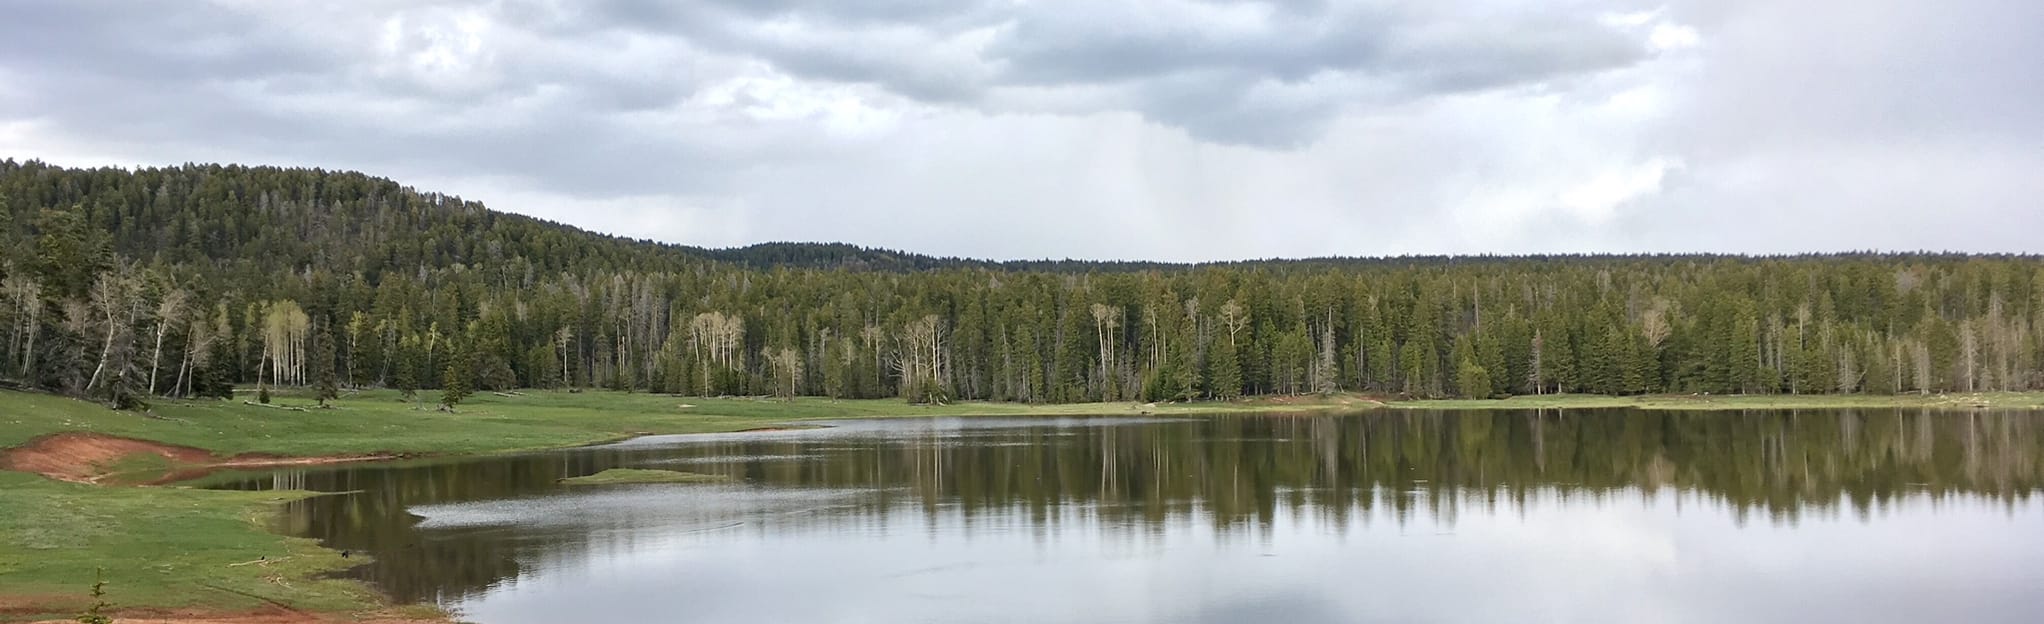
column 121, row 284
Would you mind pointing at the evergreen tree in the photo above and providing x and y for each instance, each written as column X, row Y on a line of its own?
column 1224, row 372
column 69, row 254
column 325, row 381
column 1472, row 380
column 457, row 380
column 406, row 371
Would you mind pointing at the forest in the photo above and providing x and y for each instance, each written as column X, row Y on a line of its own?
column 120, row 285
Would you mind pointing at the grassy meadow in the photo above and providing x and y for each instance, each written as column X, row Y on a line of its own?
column 379, row 421
column 160, row 548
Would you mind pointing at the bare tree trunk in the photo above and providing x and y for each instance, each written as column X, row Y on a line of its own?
column 562, row 339
column 177, row 383
column 28, row 297
column 167, row 311
column 1848, row 371
column 31, row 325
column 109, row 296
column 104, row 352
column 156, row 356
column 1895, row 362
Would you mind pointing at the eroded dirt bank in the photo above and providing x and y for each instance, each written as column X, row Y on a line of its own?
column 84, row 457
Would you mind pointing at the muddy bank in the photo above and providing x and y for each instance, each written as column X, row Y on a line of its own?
column 83, row 457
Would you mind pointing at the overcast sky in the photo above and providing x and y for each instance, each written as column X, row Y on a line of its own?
column 1168, row 130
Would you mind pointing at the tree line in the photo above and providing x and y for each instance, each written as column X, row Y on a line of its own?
column 187, row 281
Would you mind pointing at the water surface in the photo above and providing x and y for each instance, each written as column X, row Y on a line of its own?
column 1397, row 516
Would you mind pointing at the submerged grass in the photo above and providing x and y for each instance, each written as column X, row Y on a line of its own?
column 616, row 476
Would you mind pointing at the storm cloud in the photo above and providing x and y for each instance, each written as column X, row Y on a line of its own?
column 1159, row 129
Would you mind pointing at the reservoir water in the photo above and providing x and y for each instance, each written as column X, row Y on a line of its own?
column 1392, row 516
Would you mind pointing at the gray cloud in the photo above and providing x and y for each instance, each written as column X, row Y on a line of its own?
column 964, row 52
column 142, row 45
column 1258, row 74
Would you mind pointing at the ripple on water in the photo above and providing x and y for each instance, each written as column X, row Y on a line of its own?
column 735, row 459
column 645, row 504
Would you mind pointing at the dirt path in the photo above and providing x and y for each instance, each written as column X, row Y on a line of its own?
column 83, row 457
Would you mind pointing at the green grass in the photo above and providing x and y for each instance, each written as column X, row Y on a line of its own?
column 160, row 547
column 379, row 422
column 639, row 475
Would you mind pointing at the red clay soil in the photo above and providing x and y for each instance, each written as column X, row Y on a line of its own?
column 82, row 457
column 19, row 606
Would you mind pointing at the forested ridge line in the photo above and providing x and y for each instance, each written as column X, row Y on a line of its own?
column 124, row 284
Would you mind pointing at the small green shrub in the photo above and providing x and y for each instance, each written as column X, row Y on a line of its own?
column 96, row 614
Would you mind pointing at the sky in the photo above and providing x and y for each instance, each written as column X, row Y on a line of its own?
column 1177, row 130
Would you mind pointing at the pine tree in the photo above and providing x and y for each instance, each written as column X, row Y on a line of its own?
column 1472, row 380
column 325, row 381
column 457, row 381
column 406, row 371
column 1642, row 374
column 1744, row 358
column 1224, row 370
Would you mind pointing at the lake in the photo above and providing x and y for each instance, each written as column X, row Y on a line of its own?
column 1394, row 516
